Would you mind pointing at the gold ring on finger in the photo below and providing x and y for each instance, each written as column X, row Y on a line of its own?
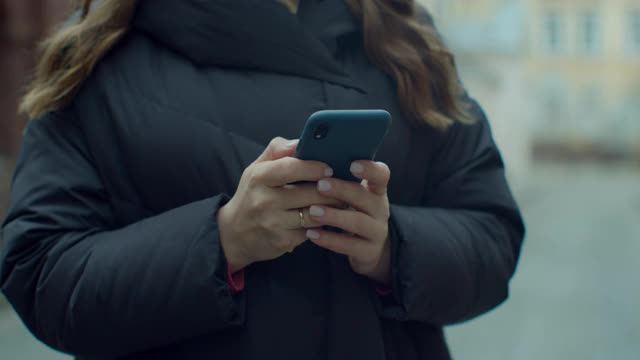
column 302, row 223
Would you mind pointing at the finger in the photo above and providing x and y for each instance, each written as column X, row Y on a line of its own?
column 377, row 174
column 348, row 220
column 339, row 243
column 302, row 196
column 291, row 219
column 352, row 193
column 278, row 148
column 289, row 170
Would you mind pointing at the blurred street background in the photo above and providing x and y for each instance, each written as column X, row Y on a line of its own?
column 560, row 82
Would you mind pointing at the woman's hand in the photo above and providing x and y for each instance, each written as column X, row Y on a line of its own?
column 367, row 245
column 262, row 221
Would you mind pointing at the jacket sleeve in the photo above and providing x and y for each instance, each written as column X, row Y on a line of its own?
column 452, row 257
column 85, row 287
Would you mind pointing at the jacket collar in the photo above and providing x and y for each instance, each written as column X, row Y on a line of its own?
column 252, row 34
column 328, row 20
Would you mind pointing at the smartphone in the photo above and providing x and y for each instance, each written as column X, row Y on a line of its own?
column 339, row 137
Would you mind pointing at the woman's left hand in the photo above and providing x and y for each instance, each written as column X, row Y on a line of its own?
column 366, row 241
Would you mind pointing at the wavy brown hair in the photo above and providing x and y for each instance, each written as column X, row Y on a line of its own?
column 396, row 41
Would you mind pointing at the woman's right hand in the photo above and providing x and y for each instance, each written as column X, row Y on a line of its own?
column 262, row 220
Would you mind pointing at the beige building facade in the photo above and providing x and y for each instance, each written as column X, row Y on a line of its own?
column 583, row 60
column 563, row 71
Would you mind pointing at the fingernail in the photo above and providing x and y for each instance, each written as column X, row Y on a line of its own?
column 316, row 210
column 291, row 143
column 312, row 234
column 357, row 168
column 324, row 185
column 328, row 172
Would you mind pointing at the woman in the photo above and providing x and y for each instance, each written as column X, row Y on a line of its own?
column 123, row 239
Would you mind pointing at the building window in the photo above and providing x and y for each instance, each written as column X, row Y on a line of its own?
column 553, row 39
column 634, row 31
column 590, row 32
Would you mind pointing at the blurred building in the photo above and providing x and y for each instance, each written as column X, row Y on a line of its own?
column 550, row 72
column 583, row 62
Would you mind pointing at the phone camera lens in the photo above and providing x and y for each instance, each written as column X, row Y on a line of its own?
column 321, row 132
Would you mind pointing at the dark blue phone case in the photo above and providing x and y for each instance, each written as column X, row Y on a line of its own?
column 339, row 137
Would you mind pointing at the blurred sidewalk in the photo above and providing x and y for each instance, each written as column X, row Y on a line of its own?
column 576, row 292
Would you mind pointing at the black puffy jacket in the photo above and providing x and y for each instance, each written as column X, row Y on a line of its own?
column 112, row 248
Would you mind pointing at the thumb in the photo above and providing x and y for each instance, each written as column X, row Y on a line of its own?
column 278, row 148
